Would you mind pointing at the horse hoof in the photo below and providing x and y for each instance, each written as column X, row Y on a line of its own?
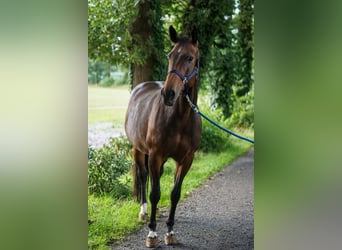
column 152, row 242
column 170, row 239
column 143, row 216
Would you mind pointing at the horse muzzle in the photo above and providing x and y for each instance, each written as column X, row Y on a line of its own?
column 169, row 96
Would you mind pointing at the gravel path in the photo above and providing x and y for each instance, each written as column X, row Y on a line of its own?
column 99, row 133
column 218, row 215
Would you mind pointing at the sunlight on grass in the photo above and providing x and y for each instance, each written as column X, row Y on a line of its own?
column 110, row 220
column 107, row 104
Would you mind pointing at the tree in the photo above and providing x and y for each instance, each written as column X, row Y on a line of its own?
column 134, row 33
column 129, row 33
column 109, row 39
column 97, row 70
column 245, row 46
column 213, row 19
column 147, row 35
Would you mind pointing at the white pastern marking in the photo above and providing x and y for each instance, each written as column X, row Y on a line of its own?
column 152, row 234
column 170, row 233
column 143, row 208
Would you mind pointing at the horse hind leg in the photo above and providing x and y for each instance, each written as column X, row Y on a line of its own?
column 140, row 174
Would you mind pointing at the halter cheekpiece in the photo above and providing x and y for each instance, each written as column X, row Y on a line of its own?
column 186, row 79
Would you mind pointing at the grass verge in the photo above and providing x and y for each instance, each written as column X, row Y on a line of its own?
column 112, row 219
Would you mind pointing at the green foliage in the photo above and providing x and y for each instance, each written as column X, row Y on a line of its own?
column 116, row 34
column 109, row 220
column 226, row 47
column 109, row 38
column 107, row 81
column 212, row 19
column 100, row 73
column 243, row 112
column 97, row 71
column 157, row 41
column 245, row 46
column 107, row 167
column 122, row 81
column 212, row 139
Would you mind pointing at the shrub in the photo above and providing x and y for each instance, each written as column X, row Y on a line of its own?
column 107, row 166
column 122, row 81
column 243, row 111
column 212, row 138
column 107, row 82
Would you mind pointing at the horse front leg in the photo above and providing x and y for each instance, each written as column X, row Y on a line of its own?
column 181, row 171
column 154, row 164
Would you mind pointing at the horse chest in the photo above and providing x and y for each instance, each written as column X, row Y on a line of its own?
column 170, row 143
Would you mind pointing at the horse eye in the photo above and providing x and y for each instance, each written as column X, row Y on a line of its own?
column 190, row 58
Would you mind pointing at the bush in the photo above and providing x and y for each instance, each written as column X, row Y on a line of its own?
column 108, row 167
column 97, row 71
column 107, row 82
column 122, row 81
column 243, row 111
column 212, row 138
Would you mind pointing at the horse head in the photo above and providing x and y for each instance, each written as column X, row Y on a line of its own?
column 183, row 66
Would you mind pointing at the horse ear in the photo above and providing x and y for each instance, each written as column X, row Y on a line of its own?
column 173, row 34
column 194, row 35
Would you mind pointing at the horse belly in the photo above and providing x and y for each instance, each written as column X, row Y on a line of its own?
column 138, row 113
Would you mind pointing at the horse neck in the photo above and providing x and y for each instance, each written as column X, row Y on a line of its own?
column 183, row 107
column 194, row 92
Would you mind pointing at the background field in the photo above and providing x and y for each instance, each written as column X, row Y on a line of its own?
column 107, row 104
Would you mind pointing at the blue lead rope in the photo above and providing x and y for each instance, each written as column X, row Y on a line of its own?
column 194, row 107
column 224, row 129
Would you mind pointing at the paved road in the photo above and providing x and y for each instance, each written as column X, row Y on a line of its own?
column 218, row 215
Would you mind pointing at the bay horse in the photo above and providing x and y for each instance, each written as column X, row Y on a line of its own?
column 160, row 124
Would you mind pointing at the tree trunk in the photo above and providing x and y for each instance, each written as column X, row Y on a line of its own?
column 142, row 73
column 142, row 27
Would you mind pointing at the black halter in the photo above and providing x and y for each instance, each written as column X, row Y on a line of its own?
column 185, row 79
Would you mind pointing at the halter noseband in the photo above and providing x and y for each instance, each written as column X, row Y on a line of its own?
column 186, row 79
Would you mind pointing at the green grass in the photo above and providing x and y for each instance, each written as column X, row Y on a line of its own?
column 111, row 220
column 107, row 104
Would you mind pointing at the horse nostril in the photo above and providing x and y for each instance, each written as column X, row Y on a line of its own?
column 169, row 96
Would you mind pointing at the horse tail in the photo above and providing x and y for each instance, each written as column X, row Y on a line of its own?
column 136, row 182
